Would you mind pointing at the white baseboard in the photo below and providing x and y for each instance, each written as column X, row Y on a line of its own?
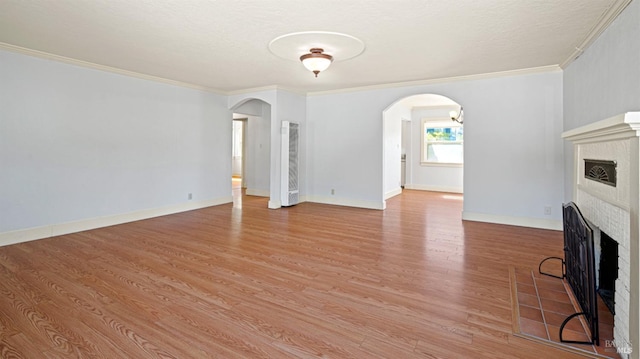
column 346, row 202
column 274, row 204
column 513, row 221
column 393, row 193
column 257, row 192
column 30, row 234
column 422, row 187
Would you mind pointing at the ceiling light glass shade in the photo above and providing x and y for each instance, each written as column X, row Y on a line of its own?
column 316, row 61
column 457, row 116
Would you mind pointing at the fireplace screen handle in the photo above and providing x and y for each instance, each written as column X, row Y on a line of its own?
column 549, row 274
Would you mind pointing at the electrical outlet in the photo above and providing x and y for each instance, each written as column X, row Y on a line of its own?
column 547, row 210
column 333, row 191
column 190, row 196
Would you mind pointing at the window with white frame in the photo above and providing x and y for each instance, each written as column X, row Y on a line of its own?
column 441, row 142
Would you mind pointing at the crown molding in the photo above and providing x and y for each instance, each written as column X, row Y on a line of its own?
column 251, row 90
column 91, row 65
column 265, row 88
column 489, row 75
column 86, row 64
column 603, row 23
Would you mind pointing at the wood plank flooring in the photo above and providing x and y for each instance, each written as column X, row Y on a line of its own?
column 309, row 281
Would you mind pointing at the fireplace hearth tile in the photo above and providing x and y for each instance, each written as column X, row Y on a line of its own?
column 551, row 305
column 528, row 300
column 555, row 319
column 567, row 334
column 543, row 325
column 533, row 327
column 527, row 289
column 549, row 284
column 531, row 313
column 556, row 295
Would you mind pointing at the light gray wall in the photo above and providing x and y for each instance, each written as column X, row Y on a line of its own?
column 346, row 151
column 604, row 81
column 78, row 143
column 513, row 150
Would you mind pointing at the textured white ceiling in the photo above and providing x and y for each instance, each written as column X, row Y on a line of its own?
column 223, row 45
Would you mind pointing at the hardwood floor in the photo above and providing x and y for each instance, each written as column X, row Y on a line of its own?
column 309, row 281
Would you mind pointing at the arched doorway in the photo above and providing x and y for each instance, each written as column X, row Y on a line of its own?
column 422, row 146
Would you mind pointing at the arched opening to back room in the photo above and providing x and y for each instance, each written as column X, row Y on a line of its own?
column 423, row 141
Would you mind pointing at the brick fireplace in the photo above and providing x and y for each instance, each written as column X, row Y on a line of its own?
column 608, row 197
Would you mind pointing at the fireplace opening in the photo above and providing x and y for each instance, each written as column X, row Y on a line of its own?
column 608, row 272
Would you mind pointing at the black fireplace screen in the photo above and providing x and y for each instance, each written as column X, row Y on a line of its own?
column 579, row 269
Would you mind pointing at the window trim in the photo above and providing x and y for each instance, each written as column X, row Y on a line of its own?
column 437, row 122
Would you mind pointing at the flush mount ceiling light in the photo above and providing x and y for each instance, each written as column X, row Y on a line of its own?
column 315, row 61
column 316, row 49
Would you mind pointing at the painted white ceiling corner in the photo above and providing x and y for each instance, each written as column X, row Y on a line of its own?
column 224, row 45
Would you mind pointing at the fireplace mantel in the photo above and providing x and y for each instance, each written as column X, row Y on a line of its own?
column 614, row 208
column 622, row 126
